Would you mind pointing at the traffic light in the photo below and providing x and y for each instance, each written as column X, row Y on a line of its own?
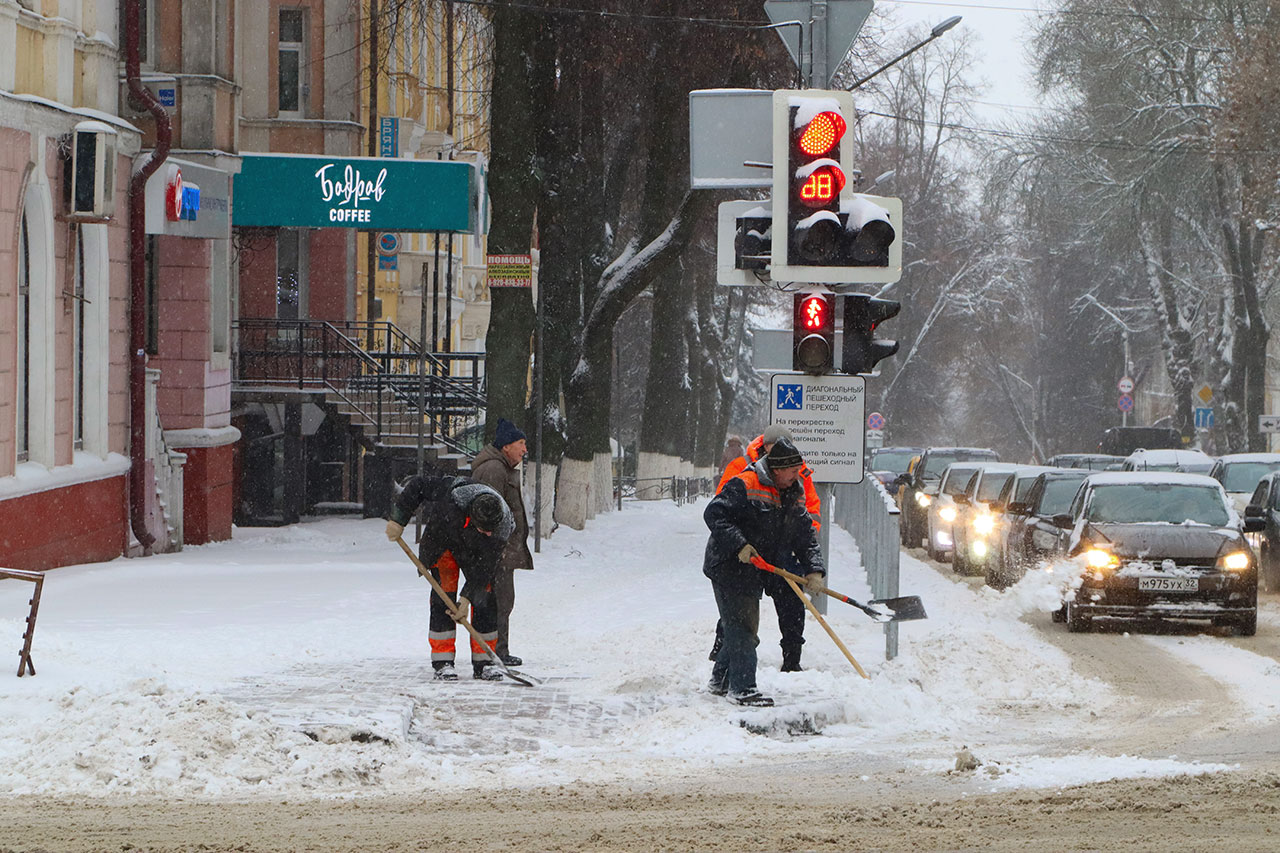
column 813, row 333
column 862, row 314
column 751, row 239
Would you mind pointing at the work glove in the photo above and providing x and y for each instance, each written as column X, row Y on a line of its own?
column 748, row 553
column 461, row 609
column 813, row 584
column 394, row 530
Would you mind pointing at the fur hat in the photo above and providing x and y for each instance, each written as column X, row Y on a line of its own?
column 773, row 432
column 486, row 511
column 783, row 454
column 507, row 433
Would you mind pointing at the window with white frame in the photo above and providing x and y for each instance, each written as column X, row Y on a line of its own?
column 291, row 62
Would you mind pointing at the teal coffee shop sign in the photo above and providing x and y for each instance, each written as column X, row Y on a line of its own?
column 369, row 193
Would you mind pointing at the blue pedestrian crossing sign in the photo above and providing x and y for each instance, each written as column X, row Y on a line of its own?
column 790, row 397
column 1204, row 417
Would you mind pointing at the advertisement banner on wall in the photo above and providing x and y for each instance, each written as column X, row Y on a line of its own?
column 185, row 199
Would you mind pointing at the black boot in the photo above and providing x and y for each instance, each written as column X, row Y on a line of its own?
column 791, row 659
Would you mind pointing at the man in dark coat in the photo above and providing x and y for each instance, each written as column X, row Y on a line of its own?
column 759, row 513
column 498, row 467
column 465, row 526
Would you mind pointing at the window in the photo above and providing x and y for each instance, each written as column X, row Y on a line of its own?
column 289, row 289
column 220, row 296
column 144, row 31
column 153, row 298
column 24, row 345
column 77, row 344
column 290, row 61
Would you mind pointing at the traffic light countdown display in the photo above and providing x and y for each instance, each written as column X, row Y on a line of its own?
column 813, row 333
column 822, row 232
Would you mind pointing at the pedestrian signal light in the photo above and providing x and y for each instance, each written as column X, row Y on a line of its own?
column 862, row 350
column 813, row 333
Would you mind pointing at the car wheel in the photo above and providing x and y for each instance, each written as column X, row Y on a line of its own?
column 1077, row 622
column 995, row 576
column 1269, row 576
column 1247, row 626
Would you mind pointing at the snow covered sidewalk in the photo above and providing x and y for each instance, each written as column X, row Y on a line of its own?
column 294, row 661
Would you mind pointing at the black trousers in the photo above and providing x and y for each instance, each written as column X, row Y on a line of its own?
column 790, row 610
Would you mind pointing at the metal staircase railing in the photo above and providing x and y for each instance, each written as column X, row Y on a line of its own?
column 371, row 368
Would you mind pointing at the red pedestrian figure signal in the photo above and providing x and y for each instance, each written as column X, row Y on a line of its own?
column 813, row 333
column 814, row 311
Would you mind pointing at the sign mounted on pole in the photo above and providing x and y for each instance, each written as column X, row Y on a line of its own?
column 1203, row 417
column 1268, row 423
column 727, row 128
column 1125, row 403
column 1205, row 393
column 825, row 415
column 844, row 21
column 1125, row 385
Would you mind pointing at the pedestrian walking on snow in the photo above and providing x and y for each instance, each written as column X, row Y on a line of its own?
column 497, row 465
column 758, row 513
column 464, row 528
column 789, row 608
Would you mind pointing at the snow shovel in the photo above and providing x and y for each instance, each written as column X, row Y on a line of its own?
column 901, row 609
column 514, row 675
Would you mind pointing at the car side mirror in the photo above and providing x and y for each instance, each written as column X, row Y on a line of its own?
column 901, row 480
column 1017, row 508
column 1253, row 524
column 1255, row 511
column 1064, row 521
column 996, row 507
column 961, row 499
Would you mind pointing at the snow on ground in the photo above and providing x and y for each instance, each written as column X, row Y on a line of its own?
column 143, row 666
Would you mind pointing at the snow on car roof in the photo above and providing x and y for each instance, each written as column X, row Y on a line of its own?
column 1109, row 478
column 1170, row 456
column 1250, row 457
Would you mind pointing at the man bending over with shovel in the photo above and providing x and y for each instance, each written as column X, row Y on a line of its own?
column 759, row 513
column 465, row 525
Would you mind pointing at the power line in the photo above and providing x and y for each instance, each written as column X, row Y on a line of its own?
column 1112, row 144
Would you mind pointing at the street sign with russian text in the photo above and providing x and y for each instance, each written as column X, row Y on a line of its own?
column 826, row 417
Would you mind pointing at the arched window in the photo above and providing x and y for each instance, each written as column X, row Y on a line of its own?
column 23, row 432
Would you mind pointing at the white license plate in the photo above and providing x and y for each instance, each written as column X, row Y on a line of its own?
column 1169, row 584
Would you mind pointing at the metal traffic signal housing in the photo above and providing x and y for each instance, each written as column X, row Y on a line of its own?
column 813, row 333
column 823, row 232
column 861, row 350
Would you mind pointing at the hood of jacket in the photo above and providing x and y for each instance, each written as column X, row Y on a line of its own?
column 487, row 454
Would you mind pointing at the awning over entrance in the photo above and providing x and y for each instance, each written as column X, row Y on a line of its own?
column 368, row 193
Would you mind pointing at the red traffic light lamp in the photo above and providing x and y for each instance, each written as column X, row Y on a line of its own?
column 813, row 333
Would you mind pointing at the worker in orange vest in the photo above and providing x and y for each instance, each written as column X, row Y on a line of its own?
column 789, row 608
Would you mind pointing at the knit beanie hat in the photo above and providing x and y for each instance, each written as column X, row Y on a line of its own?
column 507, row 433
column 773, row 432
column 783, row 454
column 486, row 511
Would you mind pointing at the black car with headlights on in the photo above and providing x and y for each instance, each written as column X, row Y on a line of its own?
column 919, row 487
column 1159, row 545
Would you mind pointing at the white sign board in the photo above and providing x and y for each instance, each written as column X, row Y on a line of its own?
column 728, row 127
column 1268, row 423
column 826, row 415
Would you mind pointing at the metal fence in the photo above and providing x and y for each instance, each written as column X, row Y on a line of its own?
column 682, row 490
column 868, row 512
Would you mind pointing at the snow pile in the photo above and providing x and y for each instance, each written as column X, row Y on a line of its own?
column 294, row 661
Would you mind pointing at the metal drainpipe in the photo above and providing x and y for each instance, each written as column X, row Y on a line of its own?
column 138, row 281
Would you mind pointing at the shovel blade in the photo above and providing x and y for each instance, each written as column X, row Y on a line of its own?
column 902, row 609
column 522, row 678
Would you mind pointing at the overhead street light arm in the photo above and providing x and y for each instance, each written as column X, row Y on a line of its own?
column 933, row 34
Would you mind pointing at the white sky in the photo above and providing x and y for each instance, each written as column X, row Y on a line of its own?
column 1000, row 28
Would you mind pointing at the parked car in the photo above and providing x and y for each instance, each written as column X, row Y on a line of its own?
column 1239, row 474
column 889, row 463
column 918, row 488
column 1123, row 440
column 977, row 519
column 1160, row 545
column 1264, row 504
column 943, row 509
column 1029, row 532
column 1186, row 461
column 1092, row 461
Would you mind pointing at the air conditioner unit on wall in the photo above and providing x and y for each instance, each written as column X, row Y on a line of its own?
column 91, row 171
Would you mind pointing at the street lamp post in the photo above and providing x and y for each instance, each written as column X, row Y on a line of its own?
column 933, row 34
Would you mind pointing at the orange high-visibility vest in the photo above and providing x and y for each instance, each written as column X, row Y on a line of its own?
column 754, row 450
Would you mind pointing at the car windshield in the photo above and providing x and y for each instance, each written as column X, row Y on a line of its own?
column 1057, row 495
column 958, row 480
column 989, row 488
column 1244, row 476
column 1174, row 503
column 895, row 461
column 1024, row 485
column 935, row 465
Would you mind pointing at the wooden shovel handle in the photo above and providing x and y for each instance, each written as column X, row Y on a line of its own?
column 764, row 566
column 449, row 602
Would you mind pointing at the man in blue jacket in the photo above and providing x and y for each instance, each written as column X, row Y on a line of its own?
column 759, row 513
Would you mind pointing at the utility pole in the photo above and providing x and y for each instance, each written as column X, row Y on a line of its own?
column 371, row 237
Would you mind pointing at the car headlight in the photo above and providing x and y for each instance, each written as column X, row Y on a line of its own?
column 1096, row 558
column 922, row 499
column 984, row 524
column 947, row 514
column 1236, row 561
